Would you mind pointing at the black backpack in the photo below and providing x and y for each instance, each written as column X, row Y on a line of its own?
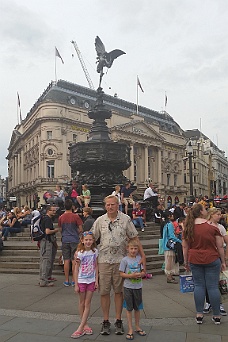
column 1, row 245
column 37, row 232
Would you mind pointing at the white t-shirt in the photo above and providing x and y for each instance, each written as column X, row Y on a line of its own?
column 87, row 268
column 117, row 194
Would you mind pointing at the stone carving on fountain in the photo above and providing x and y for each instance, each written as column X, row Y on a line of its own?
column 99, row 162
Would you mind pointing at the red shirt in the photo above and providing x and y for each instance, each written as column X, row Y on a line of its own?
column 203, row 249
column 74, row 193
column 138, row 212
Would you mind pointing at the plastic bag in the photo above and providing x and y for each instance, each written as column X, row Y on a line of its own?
column 160, row 246
column 186, row 283
column 223, row 286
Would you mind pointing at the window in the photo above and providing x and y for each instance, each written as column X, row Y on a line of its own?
column 168, row 179
column 185, row 178
column 185, row 163
column 194, row 165
column 195, row 179
column 49, row 135
column 51, row 169
column 50, row 152
column 169, row 155
column 175, row 156
column 175, row 180
column 74, row 137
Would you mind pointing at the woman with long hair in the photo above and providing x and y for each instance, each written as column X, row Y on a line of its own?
column 171, row 267
column 214, row 216
column 204, row 256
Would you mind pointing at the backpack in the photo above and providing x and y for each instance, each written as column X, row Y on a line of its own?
column 1, row 245
column 37, row 232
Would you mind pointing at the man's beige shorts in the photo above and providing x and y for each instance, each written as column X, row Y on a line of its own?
column 127, row 200
column 109, row 276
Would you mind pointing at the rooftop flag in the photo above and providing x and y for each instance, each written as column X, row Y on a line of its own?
column 139, row 84
column 19, row 106
column 166, row 100
column 57, row 54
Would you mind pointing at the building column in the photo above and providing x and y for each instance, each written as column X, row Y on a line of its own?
column 159, row 166
column 22, row 176
column 132, row 163
column 146, row 170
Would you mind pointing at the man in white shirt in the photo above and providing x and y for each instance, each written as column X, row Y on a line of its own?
column 151, row 195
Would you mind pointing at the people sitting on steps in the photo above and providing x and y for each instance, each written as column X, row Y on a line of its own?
column 58, row 198
column 85, row 197
column 12, row 225
column 126, row 196
column 25, row 216
column 151, row 195
column 139, row 216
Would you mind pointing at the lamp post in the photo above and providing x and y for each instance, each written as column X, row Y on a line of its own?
column 189, row 149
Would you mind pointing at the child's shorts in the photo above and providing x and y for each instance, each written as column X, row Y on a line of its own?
column 83, row 287
column 133, row 299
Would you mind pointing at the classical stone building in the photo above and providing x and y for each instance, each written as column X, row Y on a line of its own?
column 210, row 166
column 38, row 152
column 2, row 190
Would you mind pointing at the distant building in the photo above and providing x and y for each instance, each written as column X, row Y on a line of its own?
column 38, row 152
column 2, row 190
column 210, row 166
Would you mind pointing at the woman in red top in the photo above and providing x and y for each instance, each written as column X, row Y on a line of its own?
column 204, row 255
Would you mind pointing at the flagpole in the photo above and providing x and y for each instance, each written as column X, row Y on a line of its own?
column 17, row 112
column 165, row 101
column 55, row 67
column 137, row 96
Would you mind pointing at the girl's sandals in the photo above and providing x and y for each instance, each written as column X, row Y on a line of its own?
column 78, row 334
column 130, row 337
column 140, row 332
column 88, row 331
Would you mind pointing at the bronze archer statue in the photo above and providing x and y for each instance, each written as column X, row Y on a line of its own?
column 105, row 59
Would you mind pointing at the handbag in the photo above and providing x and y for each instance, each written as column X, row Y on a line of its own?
column 171, row 244
column 186, row 283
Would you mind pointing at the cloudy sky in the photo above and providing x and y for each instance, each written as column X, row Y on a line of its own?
column 175, row 46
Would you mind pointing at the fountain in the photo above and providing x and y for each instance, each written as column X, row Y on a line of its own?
column 99, row 162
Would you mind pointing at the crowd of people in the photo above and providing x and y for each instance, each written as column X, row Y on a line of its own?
column 106, row 253
column 202, row 233
column 13, row 220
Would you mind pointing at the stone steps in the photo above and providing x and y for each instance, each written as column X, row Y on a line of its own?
column 21, row 255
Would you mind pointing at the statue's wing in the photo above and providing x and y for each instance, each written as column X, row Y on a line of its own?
column 116, row 53
column 100, row 48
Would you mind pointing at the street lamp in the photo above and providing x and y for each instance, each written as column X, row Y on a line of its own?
column 189, row 149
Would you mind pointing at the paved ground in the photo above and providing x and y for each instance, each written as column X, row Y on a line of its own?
column 29, row 313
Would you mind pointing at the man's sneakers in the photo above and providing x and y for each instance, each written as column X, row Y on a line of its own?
column 119, row 330
column 119, row 327
column 207, row 309
column 105, row 329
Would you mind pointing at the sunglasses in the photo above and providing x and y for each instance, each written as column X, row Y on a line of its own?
column 87, row 233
